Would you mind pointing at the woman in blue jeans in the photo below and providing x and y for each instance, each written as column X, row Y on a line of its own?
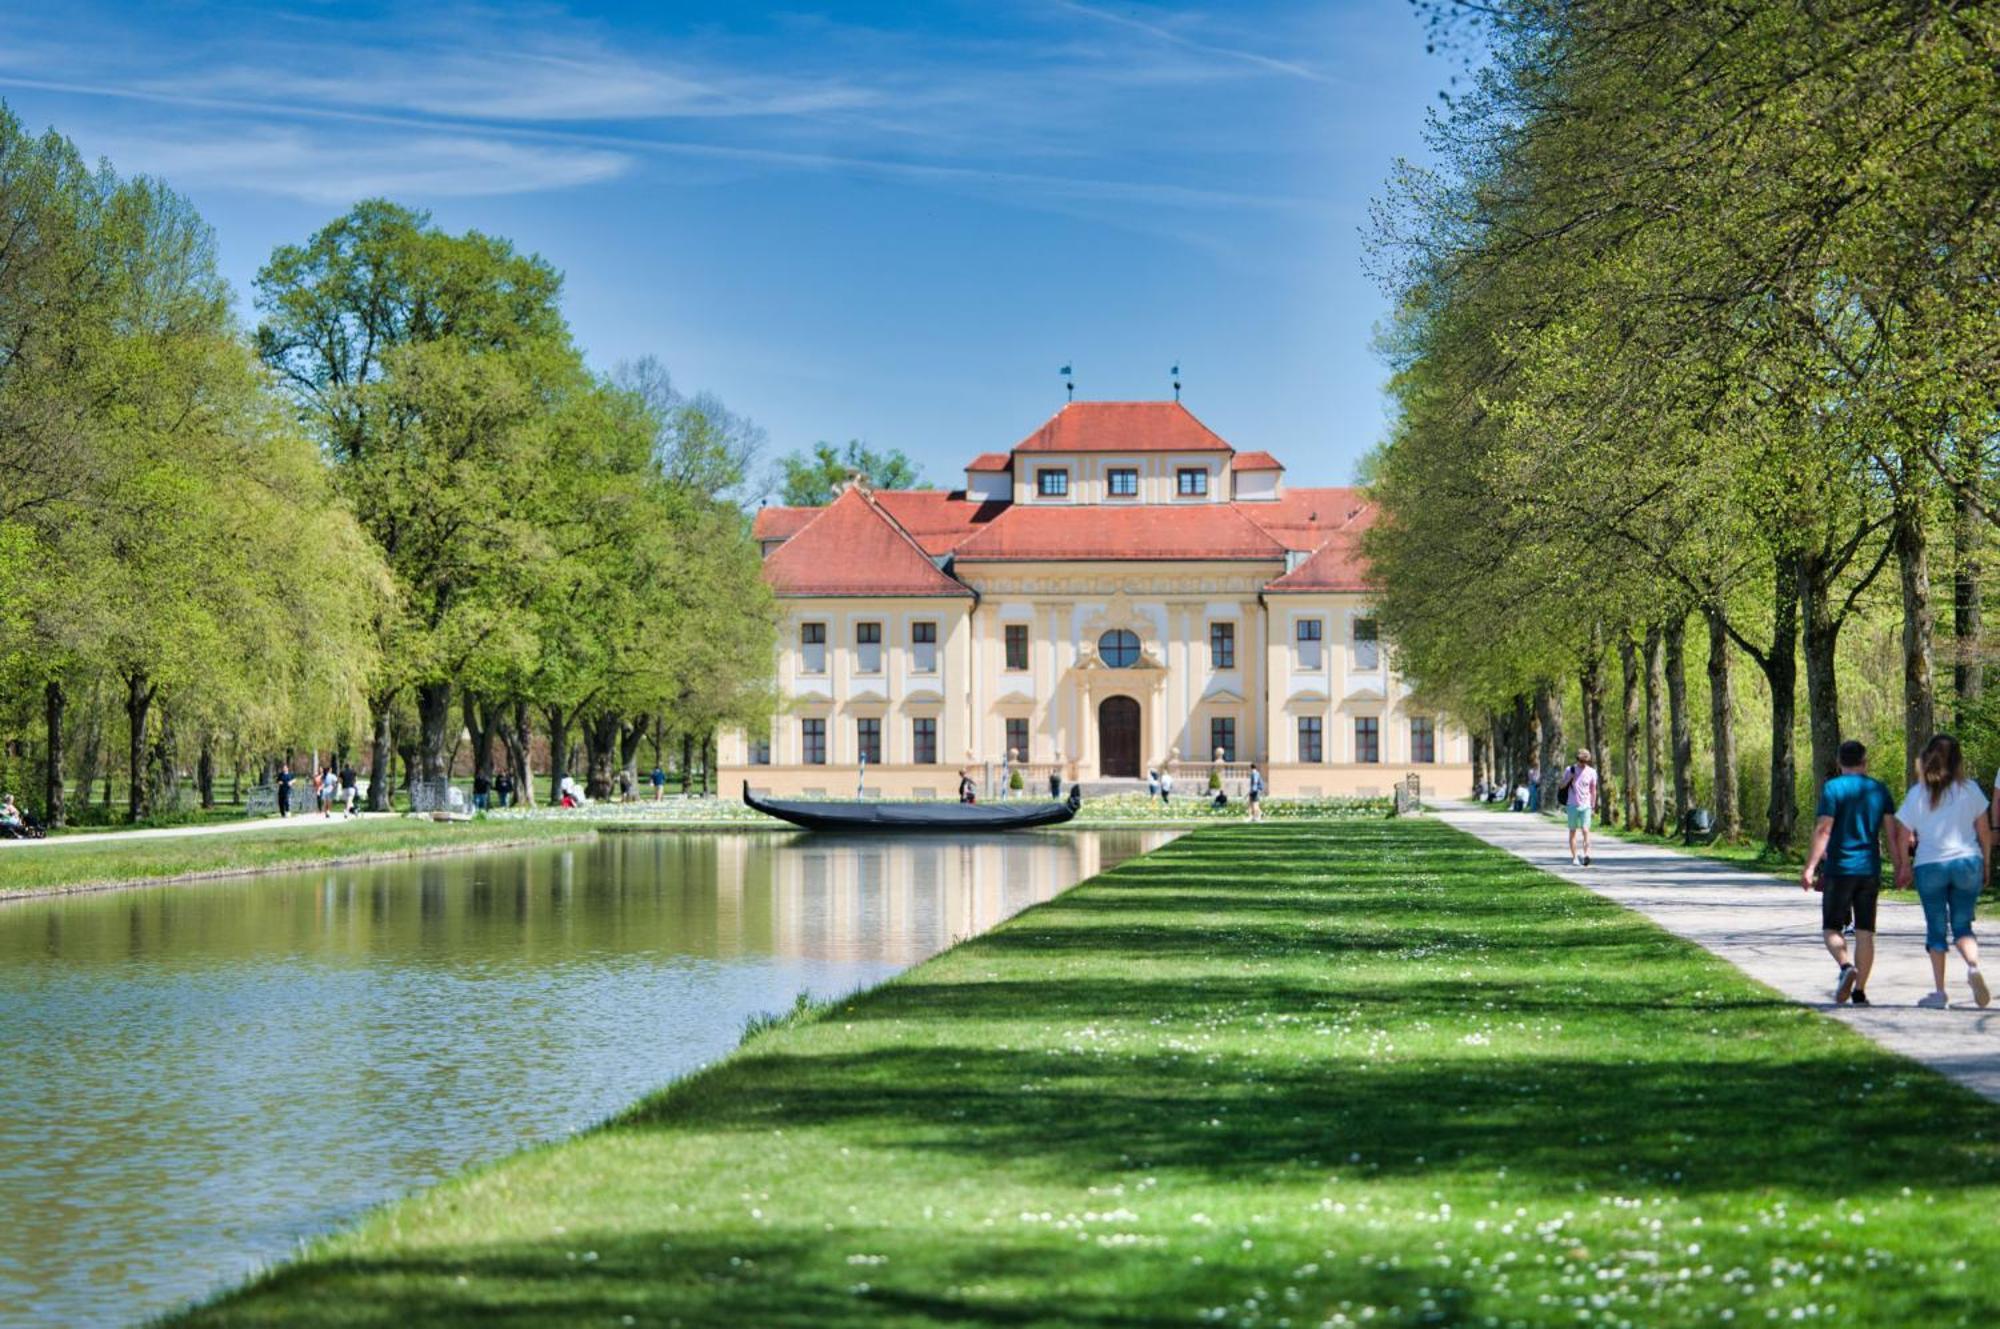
column 1942, row 842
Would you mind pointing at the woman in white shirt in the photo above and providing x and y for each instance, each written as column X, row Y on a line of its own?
column 1943, row 819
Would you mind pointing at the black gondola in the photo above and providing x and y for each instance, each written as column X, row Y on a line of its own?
column 933, row 815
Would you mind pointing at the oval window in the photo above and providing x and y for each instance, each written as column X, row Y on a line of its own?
column 1119, row 648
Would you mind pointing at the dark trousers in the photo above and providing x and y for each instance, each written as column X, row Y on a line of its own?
column 284, row 801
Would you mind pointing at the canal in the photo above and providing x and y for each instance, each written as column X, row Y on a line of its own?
column 194, row 1078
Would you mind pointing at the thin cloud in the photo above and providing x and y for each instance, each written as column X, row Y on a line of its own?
column 1170, row 36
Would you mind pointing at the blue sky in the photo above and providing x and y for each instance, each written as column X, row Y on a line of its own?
column 886, row 221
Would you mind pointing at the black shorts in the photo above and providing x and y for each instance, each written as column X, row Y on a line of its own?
column 1848, row 898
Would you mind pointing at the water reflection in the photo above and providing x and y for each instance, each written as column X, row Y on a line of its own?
column 194, row 1077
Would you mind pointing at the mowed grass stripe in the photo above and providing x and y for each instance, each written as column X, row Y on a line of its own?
column 1360, row 1073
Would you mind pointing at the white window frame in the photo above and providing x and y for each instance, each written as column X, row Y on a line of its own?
column 868, row 654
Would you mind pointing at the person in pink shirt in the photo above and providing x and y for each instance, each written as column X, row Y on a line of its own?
column 1579, row 794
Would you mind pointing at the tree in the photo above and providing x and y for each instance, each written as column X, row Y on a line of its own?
column 429, row 368
column 809, row 479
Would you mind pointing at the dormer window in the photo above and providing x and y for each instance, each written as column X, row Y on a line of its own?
column 1192, row 481
column 1122, row 482
column 1052, row 482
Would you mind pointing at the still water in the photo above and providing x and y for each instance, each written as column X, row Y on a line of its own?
column 192, row 1078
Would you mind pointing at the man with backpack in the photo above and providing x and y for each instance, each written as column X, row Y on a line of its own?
column 1578, row 795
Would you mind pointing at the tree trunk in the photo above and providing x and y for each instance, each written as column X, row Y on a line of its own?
column 1680, row 723
column 1478, row 765
column 1919, row 628
column 600, row 745
column 558, row 723
column 433, row 726
column 1821, row 636
column 1968, row 671
column 1628, row 748
column 708, row 765
column 204, row 770
column 1656, row 738
column 1722, row 727
column 1549, row 714
column 138, row 702
column 1781, row 671
column 93, row 749
column 162, row 768
column 517, row 738
column 630, row 738
column 687, row 762
column 479, row 729
column 1593, row 719
column 54, row 704
column 381, row 750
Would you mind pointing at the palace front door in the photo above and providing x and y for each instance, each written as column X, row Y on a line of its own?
column 1118, row 739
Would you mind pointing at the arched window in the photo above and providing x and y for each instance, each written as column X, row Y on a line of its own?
column 1119, row 648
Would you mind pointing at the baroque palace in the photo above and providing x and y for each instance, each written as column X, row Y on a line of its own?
column 1120, row 592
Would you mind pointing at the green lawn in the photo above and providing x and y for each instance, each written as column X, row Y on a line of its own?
column 53, row 865
column 1351, row 1073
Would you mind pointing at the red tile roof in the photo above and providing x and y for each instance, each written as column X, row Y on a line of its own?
column 780, row 523
column 1255, row 461
column 1301, row 519
column 853, row 547
column 1337, row 565
column 1195, row 531
column 991, row 461
column 938, row 520
column 1123, row 426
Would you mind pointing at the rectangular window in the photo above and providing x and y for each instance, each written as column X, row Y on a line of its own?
column 868, row 740
column 1053, row 483
column 1310, row 746
column 812, row 742
column 1222, row 645
column 1122, row 482
column 1016, row 635
column 923, row 648
column 1367, row 646
column 1309, row 641
column 923, row 741
column 1423, row 739
column 1192, row 481
column 760, row 751
column 1017, row 739
column 812, row 648
column 867, row 648
column 1222, row 737
column 1367, row 738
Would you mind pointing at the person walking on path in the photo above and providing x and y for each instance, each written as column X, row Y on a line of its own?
column 1847, row 842
column 1055, row 778
column 1942, row 844
column 1256, row 797
column 1166, row 787
column 503, row 789
column 1579, row 795
column 659, row 779
column 482, row 791
column 1152, row 785
column 284, row 789
column 350, row 787
column 329, row 790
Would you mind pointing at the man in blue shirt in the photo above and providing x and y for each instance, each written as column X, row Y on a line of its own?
column 1847, row 840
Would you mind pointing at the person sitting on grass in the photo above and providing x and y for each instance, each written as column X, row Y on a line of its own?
column 1847, row 842
column 1942, row 843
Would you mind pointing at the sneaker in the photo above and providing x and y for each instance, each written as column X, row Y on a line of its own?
column 1934, row 1001
column 1980, row 992
column 1845, row 987
column 1573, row 861
column 1586, row 860
column 1858, row 998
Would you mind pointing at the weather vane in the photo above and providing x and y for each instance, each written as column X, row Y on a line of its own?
column 1177, row 380
column 1068, row 382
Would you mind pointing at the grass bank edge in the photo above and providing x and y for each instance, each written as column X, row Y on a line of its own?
column 55, row 869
